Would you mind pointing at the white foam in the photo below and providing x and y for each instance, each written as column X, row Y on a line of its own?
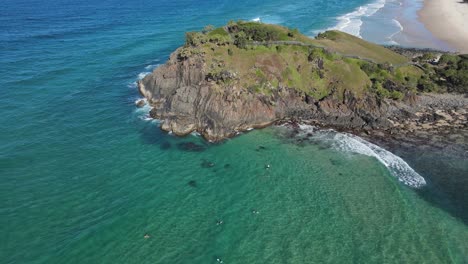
column 390, row 38
column 354, row 144
column 132, row 85
column 351, row 22
column 142, row 75
column 142, row 113
column 269, row 19
column 151, row 67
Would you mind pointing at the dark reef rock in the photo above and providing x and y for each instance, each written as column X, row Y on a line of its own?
column 165, row 145
column 192, row 183
column 191, row 147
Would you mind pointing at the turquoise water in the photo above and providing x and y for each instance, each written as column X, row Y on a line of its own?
column 83, row 177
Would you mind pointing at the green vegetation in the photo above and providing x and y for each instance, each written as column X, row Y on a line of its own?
column 343, row 43
column 262, row 58
column 448, row 74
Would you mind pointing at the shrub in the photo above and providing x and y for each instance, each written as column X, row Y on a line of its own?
column 428, row 57
column 195, row 39
column 259, row 32
column 425, row 84
column 379, row 90
column 190, row 38
column 396, row 95
column 369, row 68
column 241, row 40
column 219, row 31
column 463, row 65
column 293, row 33
column 207, row 29
column 448, row 59
column 332, row 35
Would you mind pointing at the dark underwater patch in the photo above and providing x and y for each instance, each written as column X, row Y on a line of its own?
column 165, row 145
column 191, row 147
column 192, row 183
column 260, row 148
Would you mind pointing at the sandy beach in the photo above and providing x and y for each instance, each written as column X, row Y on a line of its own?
column 447, row 20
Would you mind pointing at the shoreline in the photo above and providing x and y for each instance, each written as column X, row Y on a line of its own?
column 448, row 21
column 394, row 23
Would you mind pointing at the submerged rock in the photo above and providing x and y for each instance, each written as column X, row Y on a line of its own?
column 165, row 145
column 260, row 148
column 191, row 147
column 192, row 183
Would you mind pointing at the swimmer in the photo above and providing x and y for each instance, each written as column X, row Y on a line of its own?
column 267, row 166
column 219, row 260
column 146, row 236
column 219, row 222
column 255, row 212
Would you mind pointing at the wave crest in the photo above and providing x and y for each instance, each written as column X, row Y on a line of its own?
column 354, row 144
column 351, row 22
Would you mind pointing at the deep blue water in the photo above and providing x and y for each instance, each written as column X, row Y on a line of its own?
column 83, row 176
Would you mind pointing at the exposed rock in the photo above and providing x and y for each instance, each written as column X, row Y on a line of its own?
column 443, row 115
column 187, row 98
column 140, row 103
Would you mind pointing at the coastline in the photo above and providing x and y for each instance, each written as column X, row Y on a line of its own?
column 448, row 21
column 433, row 24
column 392, row 22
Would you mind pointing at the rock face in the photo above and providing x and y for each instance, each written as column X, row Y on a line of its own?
column 186, row 99
column 186, row 96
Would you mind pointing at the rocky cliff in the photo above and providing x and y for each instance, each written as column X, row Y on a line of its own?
column 186, row 100
column 218, row 89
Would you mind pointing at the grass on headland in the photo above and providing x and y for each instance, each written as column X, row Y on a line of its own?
column 261, row 58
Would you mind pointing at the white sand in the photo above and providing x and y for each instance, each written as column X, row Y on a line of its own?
column 447, row 20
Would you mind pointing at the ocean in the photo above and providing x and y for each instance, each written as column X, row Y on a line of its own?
column 86, row 177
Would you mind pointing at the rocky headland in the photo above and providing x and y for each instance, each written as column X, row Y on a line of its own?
column 250, row 75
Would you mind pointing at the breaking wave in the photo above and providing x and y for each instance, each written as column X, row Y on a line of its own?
column 400, row 29
column 142, row 75
column 354, row 144
column 351, row 22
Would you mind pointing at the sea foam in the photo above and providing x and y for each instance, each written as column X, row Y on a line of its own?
column 353, row 144
column 351, row 22
column 400, row 27
column 269, row 19
column 151, row 67
column 142, row 75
